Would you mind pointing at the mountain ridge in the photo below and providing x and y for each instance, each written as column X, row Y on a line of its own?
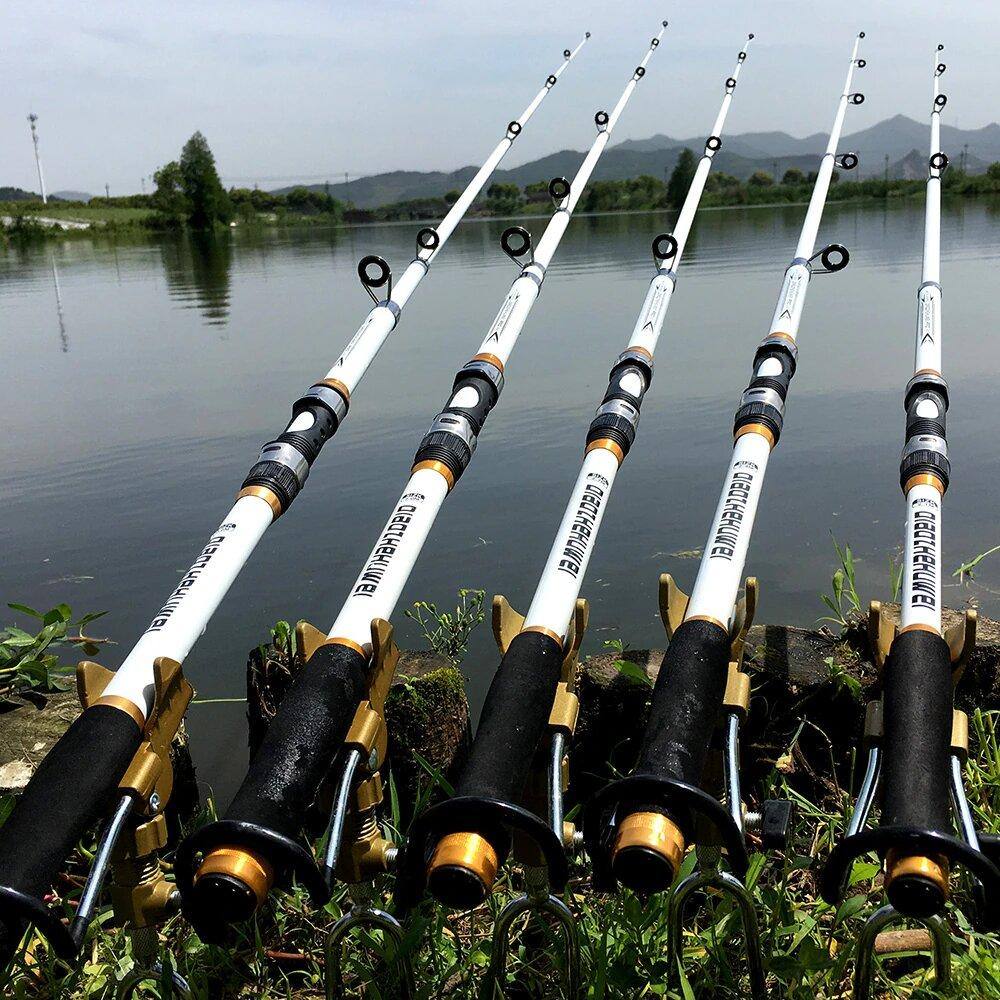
column 742, row 154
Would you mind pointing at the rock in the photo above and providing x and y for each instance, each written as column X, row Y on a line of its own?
column 31, row 723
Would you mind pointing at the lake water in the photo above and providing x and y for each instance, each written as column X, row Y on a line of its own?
column 141, row 379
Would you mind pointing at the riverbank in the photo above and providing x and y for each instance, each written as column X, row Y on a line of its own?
column 809, row 693
column 25, row 220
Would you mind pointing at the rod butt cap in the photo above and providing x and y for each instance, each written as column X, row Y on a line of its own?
column 462, row 870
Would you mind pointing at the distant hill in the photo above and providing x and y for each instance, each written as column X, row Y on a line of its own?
column 71, row 196
column 17, row 194
column 900, row 138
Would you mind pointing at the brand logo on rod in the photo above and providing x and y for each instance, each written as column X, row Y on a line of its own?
column 354, row 340
column 653, row 314
column 924, row 563
column 927, row 322
column 188, row 580
column 734, row 507
column 387, row 546
column 505, row 310
column 793, row 288
column 581, row 531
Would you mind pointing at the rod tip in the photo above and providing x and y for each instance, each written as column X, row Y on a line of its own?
column 861, row 34
column 664, row 24
column 586, row 34
column 940, row 48
column 751, row 35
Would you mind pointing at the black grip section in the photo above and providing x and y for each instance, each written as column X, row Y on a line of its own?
column 926, row 430
column 627, row 384
column 302, row 741
column 924, row 461
column 276, row 477
column 447, row 448
column 486, row 391
column 514, row 718
column 757, row 410
column 917, row 706
column 686, row 702
column 74, row 788
column 476, row 395
column 612, row 427
column 311, row 440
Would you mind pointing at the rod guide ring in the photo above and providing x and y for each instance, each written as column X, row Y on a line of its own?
column 640, row 72
column 861, row 34
column 382, row 274
column 730, row 83
column 858, row 98
column 551, row 80
column 428, row 239
column 940, row 101
column 862, row 63
column 742, row 56
column 514, row 128
column 714, row 143
column 939, row 161
column 847, row 161
column 566, row 53
column 941, row 67
column 834, row 257
column 515, row 241
column 664, row 247
column 559, row 188
column 654, row 43
column 601, row 120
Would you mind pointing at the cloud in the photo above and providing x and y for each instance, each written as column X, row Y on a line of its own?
column 308, row 87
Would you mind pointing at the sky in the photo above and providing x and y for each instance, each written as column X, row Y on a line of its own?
column 309, row 90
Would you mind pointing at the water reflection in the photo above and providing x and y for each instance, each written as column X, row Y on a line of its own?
column 197, row 267
column 63, row 336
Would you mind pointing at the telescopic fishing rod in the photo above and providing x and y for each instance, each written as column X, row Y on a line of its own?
column 917, row 743
column 461, row 844
column 638, row 828
column 332, row 713
column 95, row 769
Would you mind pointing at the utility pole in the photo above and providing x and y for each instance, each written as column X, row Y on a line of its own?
column 107, row 191
column 965, row 158
column 144, row 184
column 887, row 168
column 32, row 118
column 347, row 179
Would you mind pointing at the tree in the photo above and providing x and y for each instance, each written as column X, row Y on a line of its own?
column 450, row 197
column 760, row 178
column 793, row 176
column 680, row 179
column 208, row 201
column 993, row 171
column 503, row 192
column 169, row 198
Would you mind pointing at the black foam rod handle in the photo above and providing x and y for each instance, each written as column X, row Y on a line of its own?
column 686, row 702
column 514, row 718
column 917, row 706
column 73, row 790
column 302, row 741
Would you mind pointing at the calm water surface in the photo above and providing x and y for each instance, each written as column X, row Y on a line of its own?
column 142, row 378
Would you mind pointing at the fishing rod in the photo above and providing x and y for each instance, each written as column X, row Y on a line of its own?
column 638, row 828
column 917, row 742
column 461, row 843
column 87, row 775
column 332, row 713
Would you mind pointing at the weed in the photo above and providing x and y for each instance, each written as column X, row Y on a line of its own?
column 448, row 633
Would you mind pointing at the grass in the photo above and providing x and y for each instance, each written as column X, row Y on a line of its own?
column 808, row 944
